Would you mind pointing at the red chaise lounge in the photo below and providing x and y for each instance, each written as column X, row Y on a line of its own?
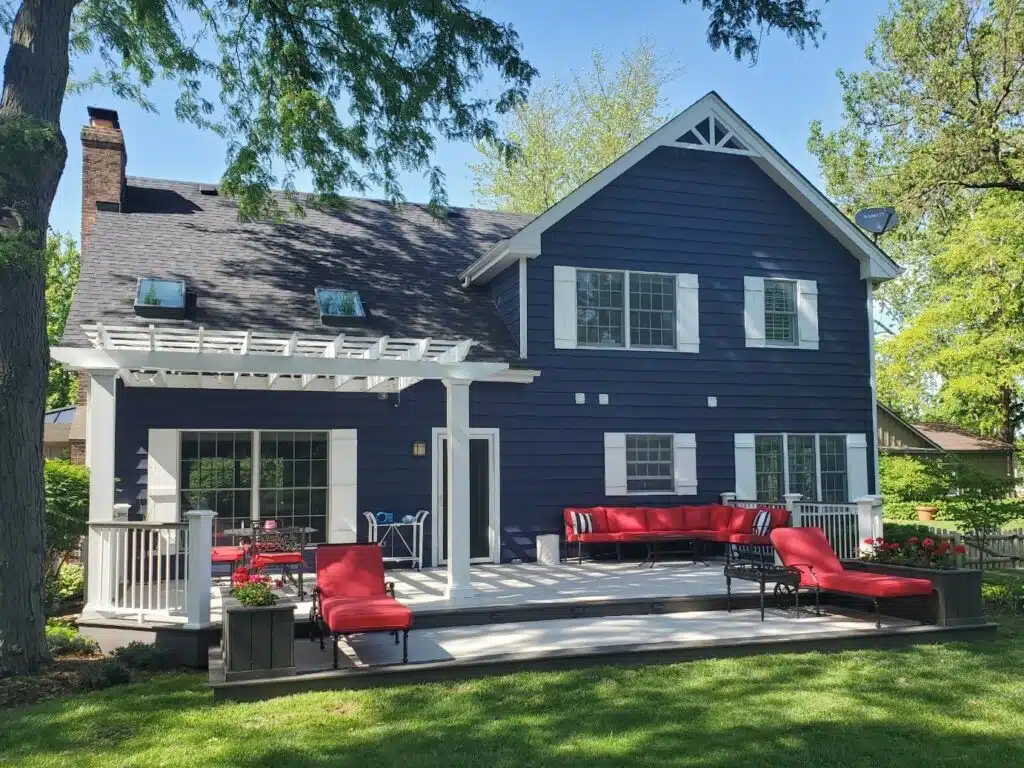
column 351, row 596
column 808, row 550
column 706, row 522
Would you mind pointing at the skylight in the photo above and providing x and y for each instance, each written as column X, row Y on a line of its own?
column 156, row 297
column 336, row 305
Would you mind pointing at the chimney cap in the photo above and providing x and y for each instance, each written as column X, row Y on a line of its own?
column 100, row 116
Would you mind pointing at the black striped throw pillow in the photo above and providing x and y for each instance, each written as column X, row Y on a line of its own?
column 582, row 522
column 763, row 522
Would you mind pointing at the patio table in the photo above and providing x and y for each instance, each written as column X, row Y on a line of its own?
column 286, row 538
column 784, row 577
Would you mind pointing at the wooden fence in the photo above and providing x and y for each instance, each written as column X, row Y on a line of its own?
column 1001, row 551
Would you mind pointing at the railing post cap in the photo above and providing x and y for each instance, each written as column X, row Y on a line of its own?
column 200, row 514
column 792, row 496
column 868, row 499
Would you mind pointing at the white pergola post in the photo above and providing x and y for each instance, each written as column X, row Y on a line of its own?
column 200, row 539
column 100, row 414
column 457, row 400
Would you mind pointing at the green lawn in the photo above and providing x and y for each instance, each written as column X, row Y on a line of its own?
column 949, row 705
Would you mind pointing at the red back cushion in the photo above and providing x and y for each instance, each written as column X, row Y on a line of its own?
column 597, row 517
column 805, row 547
column 719, row 517
column 780, row 517
column 666, row 519
column 350, row 570
column 742, row 520
column 697, row 518
column 627, row 519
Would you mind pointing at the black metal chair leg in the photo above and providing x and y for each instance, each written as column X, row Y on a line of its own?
column 817, row 602
column 618, row 551
column 334, row 644
column 395, row 633
column 405, row 645
column 878, row 615
column 579, row 553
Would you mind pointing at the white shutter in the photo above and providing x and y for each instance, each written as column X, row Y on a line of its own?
column 162, row 466
column 807, row 313
column 343, row 506
column 746, row 472
column 684, row 447
column 565, row 307
column 615, row 463
column 857, row 466
column 687, row 314
column 753, row 310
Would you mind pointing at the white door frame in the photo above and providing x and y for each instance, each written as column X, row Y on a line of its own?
column 493, row 437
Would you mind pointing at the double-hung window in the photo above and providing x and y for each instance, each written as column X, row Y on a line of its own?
column 814, row 466
column 780, row 313
column 649, row 464
column 625, row 309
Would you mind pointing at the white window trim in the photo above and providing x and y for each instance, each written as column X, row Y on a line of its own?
column 755, row 313
column 615, row 444
column 342, row 509
column 679, row 346
column 817, row 459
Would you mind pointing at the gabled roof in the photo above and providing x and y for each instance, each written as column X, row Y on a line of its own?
column 261, row 276
column 952, row 438
column 708, row 125
column 930, row 445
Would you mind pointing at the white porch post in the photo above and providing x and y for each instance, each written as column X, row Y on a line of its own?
column 728, row 497
column 200, row 567
column 457, row 401
column 869, row 520
column 99, row 435
column 791, row 500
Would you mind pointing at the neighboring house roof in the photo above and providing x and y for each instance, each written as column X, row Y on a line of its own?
column 57, row 425
column 952, row 438
column 63, row 415
column 261, row 276
column 738, row 137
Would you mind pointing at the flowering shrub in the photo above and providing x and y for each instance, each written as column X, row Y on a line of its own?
column 251, row 588
column 921, row 552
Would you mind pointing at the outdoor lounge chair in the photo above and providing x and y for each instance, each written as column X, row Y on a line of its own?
column 808, row 550
column 351, row 596
column 229, row 555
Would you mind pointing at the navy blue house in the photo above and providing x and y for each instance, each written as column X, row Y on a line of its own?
column 695, row 319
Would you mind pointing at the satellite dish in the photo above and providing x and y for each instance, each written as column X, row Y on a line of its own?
column 877, row 220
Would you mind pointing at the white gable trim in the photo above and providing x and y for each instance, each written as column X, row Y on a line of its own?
column 526, row 242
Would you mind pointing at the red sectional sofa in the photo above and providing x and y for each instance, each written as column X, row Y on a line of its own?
column 707, row 522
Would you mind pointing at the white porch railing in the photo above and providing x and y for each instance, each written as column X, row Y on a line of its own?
column 151, row 571
column 845, row 525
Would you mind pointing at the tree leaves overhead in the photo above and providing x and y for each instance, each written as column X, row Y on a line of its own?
column 354, row 91
column 62, row 268
column 738, row 25
column 570, row 131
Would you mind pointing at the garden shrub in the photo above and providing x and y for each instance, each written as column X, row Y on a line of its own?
column 909, row 478
column 71, row 582
column 63, row 640
column 67, row 511
column 104, row 674
column 1003, row 591
column 900, row 532
column 143, row 656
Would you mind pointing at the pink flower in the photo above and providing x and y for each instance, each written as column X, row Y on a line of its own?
column 928, row 543
column 913, row 540
column 869, row 541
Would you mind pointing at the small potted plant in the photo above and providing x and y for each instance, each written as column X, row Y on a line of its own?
column 259, row 629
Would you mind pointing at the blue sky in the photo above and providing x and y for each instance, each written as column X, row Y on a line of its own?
column 780, row 96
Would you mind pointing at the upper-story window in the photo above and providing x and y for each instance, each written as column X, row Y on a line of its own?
column 779, row 312
column 622, row 309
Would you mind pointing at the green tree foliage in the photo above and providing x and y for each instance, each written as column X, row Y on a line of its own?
column 910, row 478
column 62, row 267
column 738, row 25
column 67, row 510
column 567, row 132
column 933, row 121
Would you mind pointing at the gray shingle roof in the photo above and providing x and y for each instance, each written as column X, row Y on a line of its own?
column 261, row 276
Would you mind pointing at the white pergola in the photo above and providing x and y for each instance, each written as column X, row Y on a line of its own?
column 197, row 358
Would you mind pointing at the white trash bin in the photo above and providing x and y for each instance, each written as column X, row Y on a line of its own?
column 547, row 549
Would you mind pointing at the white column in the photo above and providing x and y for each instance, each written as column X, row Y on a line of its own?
column 728, row 497
column 457, row 401
column 99, row 437
column 200, row 568
column 791, row 500
column 869, row 520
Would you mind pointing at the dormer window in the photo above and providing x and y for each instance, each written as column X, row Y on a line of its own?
column 338, row 306
column 155, row 297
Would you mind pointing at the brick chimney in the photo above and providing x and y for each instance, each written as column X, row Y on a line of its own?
column 103, row 163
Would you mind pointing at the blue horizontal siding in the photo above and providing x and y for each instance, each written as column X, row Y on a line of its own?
column 505, row 294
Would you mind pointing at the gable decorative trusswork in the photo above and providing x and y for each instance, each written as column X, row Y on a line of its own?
column 236, row 359
column 712, row 134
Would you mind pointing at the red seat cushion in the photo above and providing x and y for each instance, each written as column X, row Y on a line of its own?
column 719, row 517
column 641, row 535
column 666, row 518
column 697, row 518
column 598, row 518
column 780, row 517
column 868, row 584
column 349, row 570
column 742, row 520
column 227, row 554
column 627, row 519
column 597, row 538
column 749, row 539
column 344, row 615
column 264, row 559
column 806, row 548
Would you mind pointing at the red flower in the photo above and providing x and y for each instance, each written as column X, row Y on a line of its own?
column 240, row 576
column 960, row 549
column 869, row 541
column 278, row 583
column 928, row 543
column 913, row 540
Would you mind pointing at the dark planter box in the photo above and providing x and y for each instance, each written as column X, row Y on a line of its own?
column 258, row 642
column 956, row 601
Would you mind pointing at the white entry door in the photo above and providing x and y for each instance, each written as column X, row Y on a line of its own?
column 484, row 496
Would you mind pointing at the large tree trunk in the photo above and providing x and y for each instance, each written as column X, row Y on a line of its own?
column 32, row 156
